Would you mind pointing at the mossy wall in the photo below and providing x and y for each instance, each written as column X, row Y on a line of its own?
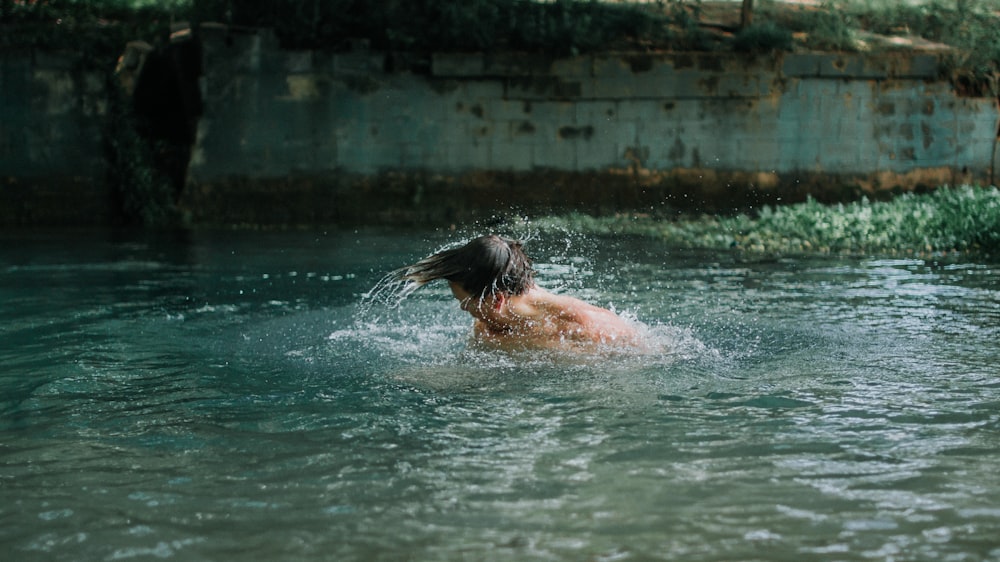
column 52, row 113
column 378, row 137
column 291, row 137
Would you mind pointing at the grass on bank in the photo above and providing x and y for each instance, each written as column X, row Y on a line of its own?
column 99, row 28
column 962, row 219
column 967, row 26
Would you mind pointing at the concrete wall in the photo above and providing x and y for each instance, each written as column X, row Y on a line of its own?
column 601, row 131
column 301, row 136
column 52, row 111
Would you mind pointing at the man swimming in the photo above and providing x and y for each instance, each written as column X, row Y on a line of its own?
column 493, row 280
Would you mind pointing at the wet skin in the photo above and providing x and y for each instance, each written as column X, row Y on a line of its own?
column 540, row 319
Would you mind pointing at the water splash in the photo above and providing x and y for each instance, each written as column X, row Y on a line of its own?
column 431, row 332
column 389, row 291
column 392, row 289
column 430, row 342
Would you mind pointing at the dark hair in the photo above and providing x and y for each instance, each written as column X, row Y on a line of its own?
column 485, row 265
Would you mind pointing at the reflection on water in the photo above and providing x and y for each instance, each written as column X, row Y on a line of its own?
column 221, row 397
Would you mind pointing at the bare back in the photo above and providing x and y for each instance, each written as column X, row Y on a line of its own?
column 545, row 320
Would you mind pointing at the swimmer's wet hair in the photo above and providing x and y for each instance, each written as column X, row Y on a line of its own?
column 485, row 265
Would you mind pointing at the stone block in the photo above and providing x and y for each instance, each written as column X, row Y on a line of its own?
column 519, row 65
column 511, row 156
column 542, row 88
column 383, row 155
column 557, row 156
column 795, row 153
column 665, row 81
column 752, row 117
column 739, row 85
column 414, row 156
column 720, row 152
column 659, row 131
column 457, row 64
column 603, row 151
column 482, row 89
column 298, row 62
column 512, row 110
column 892, row 157
column 611, row 68
column 918, row 66
column 853, row 66
column 470, row 155
column 518, row 132
column 757, row 154
column 973, row 153
column 479, row 131
column 669, row 152
column 354, row 64
column 840, row 155
column 573, row 68
column 603, row 87
column 801, row 65
column 715, row 62
column 462, row 112
column 614, row 131
column 554, row 113
column 432, row 157
column 596, row 111
column 649, row 110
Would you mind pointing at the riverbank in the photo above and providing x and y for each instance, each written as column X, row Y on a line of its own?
column 234, row 127
column 959, row 220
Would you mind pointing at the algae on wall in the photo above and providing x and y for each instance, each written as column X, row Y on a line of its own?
column 708, row 131
column 365, row 130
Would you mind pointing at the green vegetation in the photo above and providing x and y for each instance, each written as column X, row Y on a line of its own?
column 763, row 37
column 559, row 27
column 963, row 219
column 98, row 28
column 967, row 26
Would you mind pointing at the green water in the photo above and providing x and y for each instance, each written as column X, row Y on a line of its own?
column 229, row 396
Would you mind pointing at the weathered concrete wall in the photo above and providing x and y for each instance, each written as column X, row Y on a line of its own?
column 602, row 132
column 52, row 168
column 293, row 137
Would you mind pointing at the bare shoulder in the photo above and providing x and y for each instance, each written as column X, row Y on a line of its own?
column 588, row 322
column 545, row 320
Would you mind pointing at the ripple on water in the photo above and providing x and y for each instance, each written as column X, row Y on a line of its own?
column 790, row 409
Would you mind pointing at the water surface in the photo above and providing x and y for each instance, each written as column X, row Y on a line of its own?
column 216, row 396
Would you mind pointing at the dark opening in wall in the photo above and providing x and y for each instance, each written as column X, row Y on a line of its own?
column 153, row 121
column 167, row 104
